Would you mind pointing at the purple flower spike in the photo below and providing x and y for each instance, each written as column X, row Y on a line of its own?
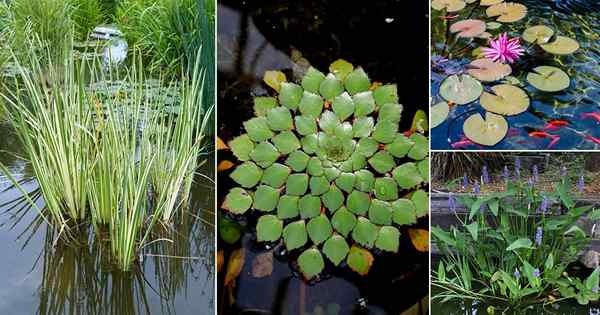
column 485, row 176
column 517, row 274
column 517, row 168
column 452, row 202
column 536, row 272
column 536, row 174
column 563, row 171
column 580, row 184
column 465, row 182
column 544, row 205
column 539, row 233
column 505, row 173
column 530, row 182
column 476, row 188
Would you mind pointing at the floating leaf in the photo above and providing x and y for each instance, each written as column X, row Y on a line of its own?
column 310, row 206
column 439, row 112
column 365, row 232
column 262, row 104
column 336, row 249
column 357, row 81
column 224, row 165
column 539, row 34
column 358, row 202
column 380, row 212
column 345, row 181
column 297, row 184
column 343, row 221
column 343, row 106
column 268, row 228
column 460, row 89
column 386, row 189
column 294, row 235
column 488, row 71
column 385, row 131
column 341, row 68
column 258, row 129
column 420, row 149
column 485, row 132
column 237, row 201
column 318, row 185
column 386, row 94
column 403, row 212
column 279, row 118
column 390, row 111
column 363, row 126
column 365, row 180
column 274, row 79
column 275, row 175
column 468, row 28
column 319, row 229
column 421, row 201
column 360, row 260
column 329, row 121
column 382, row 162
column 448, row 5
column 297, row 160
column 241, row 147
column 290, row 95
column 286, row 142
column 561, row 46
column 331, row 87
column 305, row 125
column 311, row 105
column 312, row 80
column 400, row 147
column 262, row 265
column 388, row 239
column 507, row 12
column 229, row 230
column 507, row 100
column 264, row 154
column 266, row 198
column 221, row 145
column 407, row 175
column 420, row 123
column 364, row 103
column 333, row 199
column 419, row 239
column 548, row 79
column 247, row 174
column 234, row 266
column 287, row 207
column 487, row 3
column 367, row 147
column 311, row 263
column 493, row 25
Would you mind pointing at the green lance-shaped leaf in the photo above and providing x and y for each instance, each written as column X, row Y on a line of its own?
column 520, row 243
column 297, row 160
column 311, row 263
column 311, row 105
column 345, row 182
column 358, row 202
column 407, row 175
column 294, row 235
column 404, row 212
column 318, row 185
column 241, row 147
column 247, row 174
column 319, row 229
column 385, row 131
column 310, row 206
column 388, row 239
column 360, row 260
column 363, row 126
column 280, row 118
column 290, row 95
column 286, row 142
column 400, row 146
column 343, row 106
column 275, row 175
column 343, row 221
column 357, row 81
column 420, row 149
column 386, row 189
column 390, row 112
column 262, row 104
column 297, row 184
column 382, row 162
column 380, row 212
column 237, row 201
column 365, row 180
column 331, row 87
column 315, row 167
column 365, row 232
column 266, row 198
column 258, row 129
column 312, row 80
column 329, row 121
column 333, row 199
column 287, row 207
column 336, row 249
column 386, row 94
column 367, row 146
column 305, row 125
column 421, row 201
column 364, row 104
column 268, row 228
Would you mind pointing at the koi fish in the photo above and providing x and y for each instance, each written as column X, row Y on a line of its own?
column 449, row 17
column 461, row 144
column 593, row 139
column 555, row 124
column 543, row 135
column 593, row 115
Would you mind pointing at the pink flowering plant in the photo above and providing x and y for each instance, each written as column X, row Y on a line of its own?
column 504, row 49
column 514, row 247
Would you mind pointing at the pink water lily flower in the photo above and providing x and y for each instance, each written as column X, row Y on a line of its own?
column 504, row 49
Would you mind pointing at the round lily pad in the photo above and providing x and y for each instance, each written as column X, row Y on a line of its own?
column 294, row 235
column 439, row 112
column 485, row 132
column 548, row 79
column 561, row 46
column 311, row 263
column 506, row 100
column 539, row 34
column 507, row 12
column 487, row 3
column 360, row 260
column 460, row 89
column 448, row 5
column 488, row 71
column 335, row 249
column 268, row 228
column 468, row 28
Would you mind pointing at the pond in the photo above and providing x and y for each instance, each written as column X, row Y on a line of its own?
column 44, row 275
column 286, row 36
column 554, row 120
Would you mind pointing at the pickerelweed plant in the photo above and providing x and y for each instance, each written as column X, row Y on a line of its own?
column 326, row 169
column 512, row 248
column 483, row 64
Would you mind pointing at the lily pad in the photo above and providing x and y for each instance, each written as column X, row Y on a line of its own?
column 548, row 79
column 488, row 71
column 561, row 46
column 448, row 5
column 360, row 260
column 294, row 235
column 507, row 100
column 388, row 239
column 311, row 263
column 539, row 34
column 487, row 3
column 336, row 249
column 485, row 132
column 460, row 89
column 439, row 113
column 237, row 201
column 468, row 28
column 507, row 12
column 268, row 228
column 319, row 229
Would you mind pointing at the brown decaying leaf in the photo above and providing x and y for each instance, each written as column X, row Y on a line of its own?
column 419, row 239
column 221, row 144
column 262, row 265
column 234, row 266
column 225, row 165
column 220, row 260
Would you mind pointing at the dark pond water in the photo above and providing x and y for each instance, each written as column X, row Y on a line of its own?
column 578, row 19
column 254, row 37
column 42, row 275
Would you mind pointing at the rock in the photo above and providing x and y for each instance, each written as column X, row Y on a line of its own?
column 591, row 259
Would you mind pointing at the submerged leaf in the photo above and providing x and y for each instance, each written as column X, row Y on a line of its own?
column 262, row 265
column 485, row 132
column 234, row 266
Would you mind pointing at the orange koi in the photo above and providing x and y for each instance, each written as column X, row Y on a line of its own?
column 555, row 124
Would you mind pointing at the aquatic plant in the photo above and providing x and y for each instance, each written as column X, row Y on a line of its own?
column 518, row 251
column 504, row 49
column 327, row 170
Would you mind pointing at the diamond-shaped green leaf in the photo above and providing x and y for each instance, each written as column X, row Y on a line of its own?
column 311, row 105
column 343, row 221
column 364, row 104
column 382, row 162
column 262, row 104
column 336, row 249
column 344, row 130
column 319, row 229
column 358, row 202
column 311, row 263
column 421, row 201
column 275, row 175
column 286, row 142
column 331, row 173
column 241, row 147
column 388, row 239
column 297, row 184
column 391, row 112
column 423, row 167
column 400, row 146
column 266, row 198
column 237, row 201
column 247, row 174
column 365, row 232
column 264, row 154
column 312, row 80
column 386, row 94
column 287, row 207
column 331, row 87
column 357, row 81
column 404, row 212
column 310, row 206
column 305, row 125
column 380, row 212
column 360, row 260
column 318, row 185
column 294, row 235
column 343, row 106
column 365, row 180
column 333, row 199
column 367, row 146
column 290, row 95
column 297, row 160
column 329, row 121
column 385, row 131
column 407, row 175
column 280, row 118
column 358, row 161
column 268, row 228
column 363, row 126
column 345, row 182
column 421, row 148
column 310, row 143
column 258, row 129
column 386, row 189
column 315, row 167
column 341, row 68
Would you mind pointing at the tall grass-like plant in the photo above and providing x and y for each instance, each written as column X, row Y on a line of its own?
column 513, row 247
column 87, row 14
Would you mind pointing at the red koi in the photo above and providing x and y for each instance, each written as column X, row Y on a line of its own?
column 555, row 124
column 593, row 139
column 540, row 134
column 461, row 144
column 593, row 115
